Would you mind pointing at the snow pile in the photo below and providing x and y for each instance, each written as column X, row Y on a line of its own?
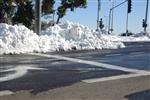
column 65, row 36
column 80, row 36
column 17, row 39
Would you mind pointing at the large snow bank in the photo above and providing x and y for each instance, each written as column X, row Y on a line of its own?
column 65, row 36
column 17, row 39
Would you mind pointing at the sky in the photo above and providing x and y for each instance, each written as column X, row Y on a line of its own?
column 88, row 16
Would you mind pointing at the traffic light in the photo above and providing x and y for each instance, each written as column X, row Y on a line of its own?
column 129, row 6
column 101, row 25
column 144, row 23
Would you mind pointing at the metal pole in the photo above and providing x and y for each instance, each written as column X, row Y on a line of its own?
column 112, row 18
column 54, row 17
column 146, row 15
column 98, row 14
column 109, row 21
column 106, row 26
column 110, row 14
column 38, row 16
column 127, row 22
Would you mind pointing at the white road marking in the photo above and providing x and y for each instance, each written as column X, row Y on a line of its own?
column 83, row 69
column 98, row 64
column 135, row 72
column 85, row 57
column 112, row 55
column 136, row 53
column 115, row 77
column 19, row 72
column 6, row 92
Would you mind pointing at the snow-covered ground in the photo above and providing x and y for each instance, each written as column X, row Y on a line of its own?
column 64, row 36
column 134, row 39
column 139, row 37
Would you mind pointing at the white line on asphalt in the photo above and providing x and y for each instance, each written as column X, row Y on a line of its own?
column 115, row 77
column 6, row 92
column 85, row 57
column 98, row 64
column 112, row 55
column 19, row 71
column 136, row 53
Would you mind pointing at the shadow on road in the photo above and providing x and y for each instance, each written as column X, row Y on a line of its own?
column 143, row 95
column 60, row 74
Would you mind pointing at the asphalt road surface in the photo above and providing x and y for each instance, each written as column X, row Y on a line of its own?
column 122, row 74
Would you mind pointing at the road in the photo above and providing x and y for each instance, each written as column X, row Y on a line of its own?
column 122, row 74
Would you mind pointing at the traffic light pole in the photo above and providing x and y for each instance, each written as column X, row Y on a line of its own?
column 109, row 21
column 112, row 17
column 146, row 15
column 127, row 22
column 110, row 11
column 98, row 14
column 37, row 17
column 128, row 11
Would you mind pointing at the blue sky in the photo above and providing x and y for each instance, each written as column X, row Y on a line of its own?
column 88, row 16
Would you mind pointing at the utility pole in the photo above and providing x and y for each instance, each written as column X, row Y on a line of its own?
column 98, row 14
column 146, row 15
column 38, row 16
